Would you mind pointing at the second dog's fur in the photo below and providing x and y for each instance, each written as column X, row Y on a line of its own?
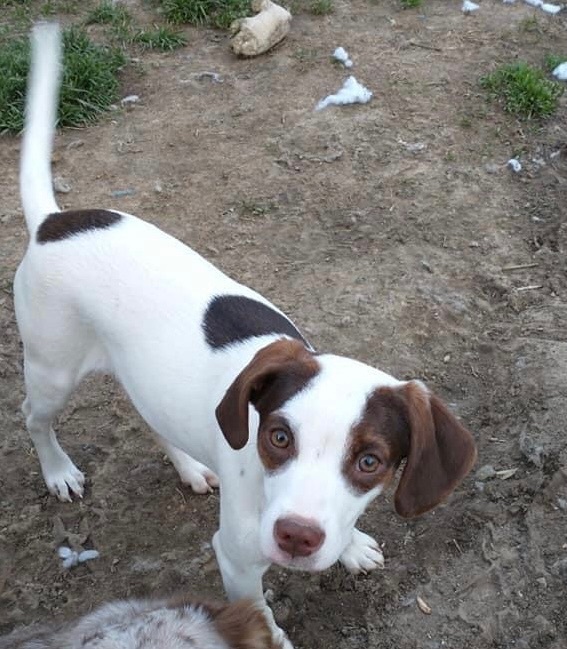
column 153, row 624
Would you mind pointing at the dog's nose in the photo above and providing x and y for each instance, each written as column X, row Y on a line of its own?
column 298, row 537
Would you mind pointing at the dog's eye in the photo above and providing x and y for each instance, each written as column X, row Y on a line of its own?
column 280, row 438
column 368, row 463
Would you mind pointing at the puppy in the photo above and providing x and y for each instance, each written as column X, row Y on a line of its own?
column 301, row 441
column 153, row 624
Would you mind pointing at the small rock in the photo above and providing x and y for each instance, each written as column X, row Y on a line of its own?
column 281, row 612
column 559, row 568
column 562, row 504
column 486, row 472
column 541, row 581
column 158, row 187
column 515, row 165
column 479, row 486
column 60, row 185
column 533, row 452
column 119, row 193
column 491, row 168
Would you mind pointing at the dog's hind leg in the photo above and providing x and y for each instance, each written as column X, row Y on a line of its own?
column 199, row 477
column 58, row 353
column 47, row 391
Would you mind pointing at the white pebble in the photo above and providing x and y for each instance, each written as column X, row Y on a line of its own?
column 515, row 165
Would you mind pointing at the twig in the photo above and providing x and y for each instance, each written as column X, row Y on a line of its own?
column 533, row 287
column 506, row 269
column 423, row 46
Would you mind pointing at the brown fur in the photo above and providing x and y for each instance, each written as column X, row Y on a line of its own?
column 63, row 225
column 273, row 376
column 409, row 423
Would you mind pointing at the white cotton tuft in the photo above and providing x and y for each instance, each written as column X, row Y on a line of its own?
column 87, row 555
column 468, row 6
column 352, row 92
column 340, row 54
column 560, row 72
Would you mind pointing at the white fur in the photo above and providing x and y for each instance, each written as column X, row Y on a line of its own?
column 126, row 624
column 129, row 300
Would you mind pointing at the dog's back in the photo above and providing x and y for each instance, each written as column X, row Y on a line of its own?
column 153, row 624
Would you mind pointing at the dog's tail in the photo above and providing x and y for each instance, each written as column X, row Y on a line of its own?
column 36, row 186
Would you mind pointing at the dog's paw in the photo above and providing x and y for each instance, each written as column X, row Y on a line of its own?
column 64, row 479
column 362, row 554
column 200, row 478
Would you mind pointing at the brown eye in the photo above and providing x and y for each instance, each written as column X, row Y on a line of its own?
column 368, row 463
column 280, row 438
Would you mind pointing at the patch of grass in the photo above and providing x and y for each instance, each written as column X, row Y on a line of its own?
column 116, row 16
column 159, row 38
column 108, row 13
column 551, row 61
column 523, row 90
column 321, row 7
column 215, row 13
column 90, row 80
column 530, row 24
column 411, row 4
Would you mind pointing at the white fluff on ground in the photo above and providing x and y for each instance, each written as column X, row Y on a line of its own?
column 352, row 92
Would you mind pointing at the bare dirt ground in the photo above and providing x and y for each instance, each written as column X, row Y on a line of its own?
column 399, row 258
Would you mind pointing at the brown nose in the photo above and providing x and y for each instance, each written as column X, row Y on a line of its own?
column 298, row 537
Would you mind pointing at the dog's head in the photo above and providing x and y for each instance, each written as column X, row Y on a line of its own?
column 332, row 432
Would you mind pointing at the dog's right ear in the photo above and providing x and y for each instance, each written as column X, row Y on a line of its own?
column 273, row 376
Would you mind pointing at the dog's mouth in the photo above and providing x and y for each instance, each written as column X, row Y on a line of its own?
column 311, row 563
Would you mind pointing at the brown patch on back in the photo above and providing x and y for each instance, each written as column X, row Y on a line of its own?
column 62, row 225
column 408, row 422
column 275, row 374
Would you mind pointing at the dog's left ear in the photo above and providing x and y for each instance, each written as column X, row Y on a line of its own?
column 441, row 452
column 273, row 376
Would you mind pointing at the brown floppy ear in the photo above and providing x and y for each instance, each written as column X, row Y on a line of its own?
column 274, row 375
column 441, row 453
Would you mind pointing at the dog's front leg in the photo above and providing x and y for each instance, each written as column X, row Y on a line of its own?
column 242, row 568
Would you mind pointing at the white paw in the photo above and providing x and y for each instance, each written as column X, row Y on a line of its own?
column 64, row 480
column 201, row 479
column 362, row 554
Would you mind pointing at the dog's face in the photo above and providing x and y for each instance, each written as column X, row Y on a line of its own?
column 332, row 433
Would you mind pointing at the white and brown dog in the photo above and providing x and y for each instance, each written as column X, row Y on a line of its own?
column 301, row 442
column 176, row 623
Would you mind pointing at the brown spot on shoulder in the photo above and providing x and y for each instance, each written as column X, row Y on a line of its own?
column 63, row 225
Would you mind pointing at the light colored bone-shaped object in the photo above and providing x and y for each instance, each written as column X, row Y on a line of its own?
column 256, row 35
